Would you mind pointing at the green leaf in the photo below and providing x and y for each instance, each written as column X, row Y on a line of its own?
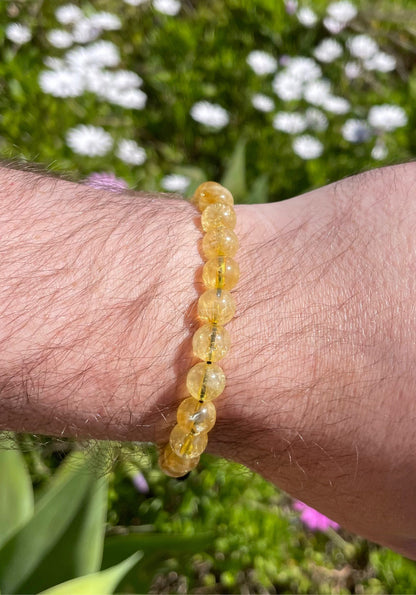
column 235, row 175
column 79, row 549
column 20, row 555
column 103, row 582
column 16, row 493
column 259, row 192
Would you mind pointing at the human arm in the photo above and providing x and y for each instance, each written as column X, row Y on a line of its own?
column 98, row 309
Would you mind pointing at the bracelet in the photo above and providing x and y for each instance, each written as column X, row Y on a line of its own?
column 205, row 381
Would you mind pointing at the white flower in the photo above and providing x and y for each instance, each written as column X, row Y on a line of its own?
column 135, row 2
column 103, row 53
column 286, row 86
column 316, row 92
column 175, row 183
column 54, row 63
column 315, row 119
column 336, row 105
column 106, row 21
column 328, row 50
column 291, row 6
column 379, row 151
column 307, row 17
column 362, row 46
column 290, row 122
column 381, row 62
column 262, row 102
column 169, row 7
column 342, row 11
column 307, row 147
column 59, row 38
column 61, row 83
column 261, row 62
column 126, row 78
column 304, row 69
column 18, row 33
column 387, row 117
column 352, row 70
column 93, row 141
column 333, row 25
column 130, row 152
column 356, row 131
column 85, row 31
column 128, row 98
column 210, row 114
column 68, row 13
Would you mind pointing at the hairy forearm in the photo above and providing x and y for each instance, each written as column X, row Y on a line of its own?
column 97, row 313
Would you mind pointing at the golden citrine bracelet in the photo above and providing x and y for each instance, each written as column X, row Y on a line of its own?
column 205, row 381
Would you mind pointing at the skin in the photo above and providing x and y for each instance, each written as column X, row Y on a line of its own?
column 98, row 299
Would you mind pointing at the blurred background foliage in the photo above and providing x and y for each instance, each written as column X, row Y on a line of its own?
column 128, row 528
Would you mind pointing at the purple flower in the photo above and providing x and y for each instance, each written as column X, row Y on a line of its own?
column 314, row 520
column 140, row 483
column 106, row 181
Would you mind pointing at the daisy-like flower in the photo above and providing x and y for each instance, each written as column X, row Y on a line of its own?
column 263, row 103
column 333, row 25
column 175, row 183
column 362, row 46
column 314, row 520
column 261, row 62
column 18, row 33
column 336, row 105
column 352, row 70
column 104, row 53
column 106, row 181
column 59, row 38
column 68, row 14
column 169, row 7
column 210, row 114
column 128, row 98
column 289, row 122
column 379, row 151
column 304, row 69
column 342, row 11
column 135, row 2
column 61, row 83
column 54, row 63
column 387, row 117
column 307, row 147
column 307, row 17
column 316, row 120
column 130, row 152
column 106, row 21
column 328, row 50
column 356, row 131
column 381, row 61
column 124, row 79
column 85, row 31
column 317, row 92
column 286, row 86
column 92, row 141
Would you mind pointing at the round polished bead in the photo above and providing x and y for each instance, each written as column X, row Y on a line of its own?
column 205, row 382
column 222, row 272
column 173, row 465
column 218, row 215
column 211, row 342
column 186, row 444
column 210, row 193
column 219, row 242
column 216, row 305
column 195, row 416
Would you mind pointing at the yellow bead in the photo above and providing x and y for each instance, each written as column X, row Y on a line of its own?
column 218, row 215
column 211, row 342
column 219, row 242
column 205, row 382
column 195, row 416
column 210, row 193
column 222, row 272
column 175, row 466
column 216, row 305
column 187, row 444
